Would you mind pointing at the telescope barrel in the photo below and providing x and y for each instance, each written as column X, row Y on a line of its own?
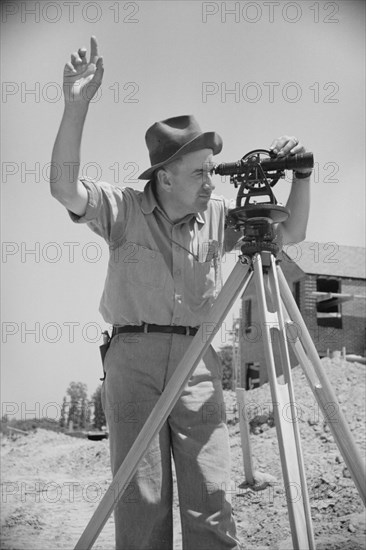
column 291, row 162
column 229, row 168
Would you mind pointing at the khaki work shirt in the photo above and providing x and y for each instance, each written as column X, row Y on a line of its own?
column 159, row 272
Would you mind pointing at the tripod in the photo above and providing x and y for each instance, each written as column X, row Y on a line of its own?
column 258, row 261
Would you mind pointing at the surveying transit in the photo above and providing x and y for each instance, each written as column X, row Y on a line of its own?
column 255, row 215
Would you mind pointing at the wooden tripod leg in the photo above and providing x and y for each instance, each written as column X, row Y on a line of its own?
column 245, row 437
column 283, row 406
column 308, row 357
column 236, row 283
column 254, row 479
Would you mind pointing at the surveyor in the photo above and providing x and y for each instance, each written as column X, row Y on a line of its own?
column 165, row 243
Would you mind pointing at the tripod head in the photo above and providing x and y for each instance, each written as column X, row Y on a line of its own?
column 256, row 206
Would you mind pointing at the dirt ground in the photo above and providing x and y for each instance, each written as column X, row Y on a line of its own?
column 52, row 483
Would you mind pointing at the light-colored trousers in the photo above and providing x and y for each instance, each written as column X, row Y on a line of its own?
column 195, row 434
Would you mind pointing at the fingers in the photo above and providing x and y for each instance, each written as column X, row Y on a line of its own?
column 299, row 148
column 69, row 69
column 90, row 74
column 76, row 60
column 82, row 55
column 79, row 59
column 98, row 75
column 93, row 50
column 287, row 145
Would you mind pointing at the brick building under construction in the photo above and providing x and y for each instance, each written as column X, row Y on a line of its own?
column 328, row 282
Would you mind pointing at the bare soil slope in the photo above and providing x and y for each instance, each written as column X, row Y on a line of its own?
column 52, row 483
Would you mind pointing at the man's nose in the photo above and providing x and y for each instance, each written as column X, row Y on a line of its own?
column 208, row 183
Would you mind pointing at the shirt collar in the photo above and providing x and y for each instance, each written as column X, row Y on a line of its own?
column 149, row 203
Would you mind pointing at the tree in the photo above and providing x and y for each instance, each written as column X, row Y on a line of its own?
column 226, row 357
column 77, row 391
column 99, row 416
column 63, row 413
column 85, row 412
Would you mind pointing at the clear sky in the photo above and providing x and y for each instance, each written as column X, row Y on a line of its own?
column 252, row 71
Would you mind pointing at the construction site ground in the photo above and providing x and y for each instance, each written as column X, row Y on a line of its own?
column 52, row 483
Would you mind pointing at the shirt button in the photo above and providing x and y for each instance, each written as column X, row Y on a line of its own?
column 177, row 272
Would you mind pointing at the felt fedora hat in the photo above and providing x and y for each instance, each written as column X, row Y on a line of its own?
column 171, row 138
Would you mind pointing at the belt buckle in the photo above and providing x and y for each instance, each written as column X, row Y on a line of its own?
column 146, row 327
column 187, row 331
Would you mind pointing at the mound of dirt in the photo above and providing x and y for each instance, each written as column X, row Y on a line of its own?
column 52, row 483
column 336, row 508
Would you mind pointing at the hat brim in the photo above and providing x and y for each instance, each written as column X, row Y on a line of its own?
column 207, row 140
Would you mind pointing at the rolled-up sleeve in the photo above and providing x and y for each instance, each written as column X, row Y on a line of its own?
column 107, row 210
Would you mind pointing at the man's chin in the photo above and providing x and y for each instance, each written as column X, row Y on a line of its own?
column 203, row 201
column 203, row 207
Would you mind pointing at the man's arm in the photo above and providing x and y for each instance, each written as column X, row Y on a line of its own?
column 81, row 82
column 293, row 230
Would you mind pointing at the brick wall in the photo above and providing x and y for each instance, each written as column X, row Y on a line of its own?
column 353, row 331
column 326, row 339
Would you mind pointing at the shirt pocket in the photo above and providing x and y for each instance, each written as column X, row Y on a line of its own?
column 206, row 278
column 143, row 267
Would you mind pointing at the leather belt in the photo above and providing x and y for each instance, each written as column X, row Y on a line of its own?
column 145, row 327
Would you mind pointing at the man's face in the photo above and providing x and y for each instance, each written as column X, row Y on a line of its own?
column 191, row 181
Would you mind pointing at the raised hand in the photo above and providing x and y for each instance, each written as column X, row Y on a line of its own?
column 286, row 145
column 81, row 78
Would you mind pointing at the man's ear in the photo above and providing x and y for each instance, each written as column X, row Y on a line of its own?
column 163, row 179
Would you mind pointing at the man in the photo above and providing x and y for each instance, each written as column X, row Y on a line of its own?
column 163, row 275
